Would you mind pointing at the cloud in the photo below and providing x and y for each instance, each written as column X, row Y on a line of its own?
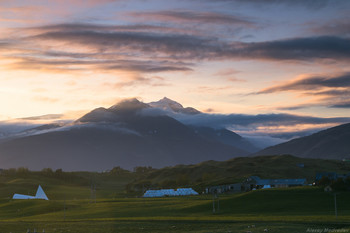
column 209, row 110
column 179, row 16
column 8, row 128
column 282, row 126
column 312, row 83
column 103, row 28
column 76, row 62
column 155, row 43
column 331, row 102
column 44, row 117
column 239, row 120
column 326, row 90
column 183, row 46
column 227, row 72
column 77, row 47
column 214, row 89
column 34, row 12
column 144, row 67
column 4, row 44
column 339, row 27
column 46, row 99
column 23, row 14
column 103, row 126
column 345, row 104
column 333, row 92
column 309, row 48
column 298, row 106
column 309, row 4
column 245, row 120
column 134, row 81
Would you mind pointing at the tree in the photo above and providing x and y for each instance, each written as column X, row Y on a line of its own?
column 22, row 171
column 118, row 170
column 59, row 173
column 47, row 172
column 142, row 170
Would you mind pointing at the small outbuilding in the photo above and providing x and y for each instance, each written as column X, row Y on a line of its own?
column 40, row 194
column 328, row 188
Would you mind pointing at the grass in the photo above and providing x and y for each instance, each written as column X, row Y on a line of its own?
column 294, row 203
column 280, row 210
column 69, row 186
column 164, row 226
column 71, row 209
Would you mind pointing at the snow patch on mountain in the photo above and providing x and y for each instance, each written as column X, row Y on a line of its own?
column 169, row 105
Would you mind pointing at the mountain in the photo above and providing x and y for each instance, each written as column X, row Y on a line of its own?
column 226, row 137
column 173, row 106
column 332, row 143
column 221, row 135
column 123, row 135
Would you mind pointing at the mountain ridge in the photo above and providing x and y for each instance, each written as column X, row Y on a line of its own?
column 171, row 105
column 332, row 143
column 122, row 135
column 132, row 133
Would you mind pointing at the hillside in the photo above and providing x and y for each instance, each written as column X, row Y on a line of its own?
column 237, row 169
column 332, row 143
column 120, row 183
column 59, row 185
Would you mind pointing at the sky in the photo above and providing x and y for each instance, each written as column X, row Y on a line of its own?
column 255, row 59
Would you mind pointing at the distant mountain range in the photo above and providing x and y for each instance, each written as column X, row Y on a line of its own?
column 332, row 143
column 128, row 134
column 132, row 133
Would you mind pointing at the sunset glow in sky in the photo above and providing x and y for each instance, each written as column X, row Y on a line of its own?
column 226, row 56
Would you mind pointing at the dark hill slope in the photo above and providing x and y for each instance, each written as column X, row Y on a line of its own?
column 226, row 137
column 237, row 169
column 332, row 143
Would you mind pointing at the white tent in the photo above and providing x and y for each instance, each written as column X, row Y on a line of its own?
column 153, row 193
column 170, row 192
column 21, row 196
column 40, row 194
column 185, row 192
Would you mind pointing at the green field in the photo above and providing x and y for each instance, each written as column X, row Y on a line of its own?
column 71, row 207
column 279, row 210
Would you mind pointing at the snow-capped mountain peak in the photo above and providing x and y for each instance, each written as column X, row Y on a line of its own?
column 173, row 106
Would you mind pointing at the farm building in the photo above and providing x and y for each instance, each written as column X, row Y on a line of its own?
column 228, row 188
column 40, row 194
column 332, row 176
column 254, row 182
column 170, row 192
